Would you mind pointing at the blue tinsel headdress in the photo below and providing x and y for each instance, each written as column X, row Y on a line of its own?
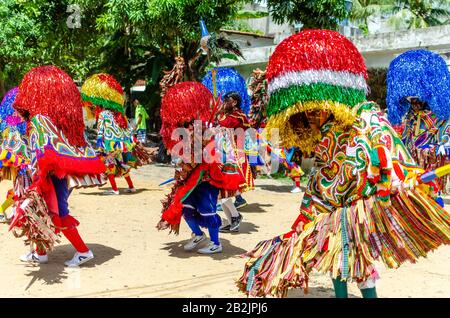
column 229, row 80
column 419, row 73
column 8, row 117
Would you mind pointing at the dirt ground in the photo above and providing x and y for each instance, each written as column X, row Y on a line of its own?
column 133, row 259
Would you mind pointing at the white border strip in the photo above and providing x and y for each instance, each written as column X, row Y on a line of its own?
column 342, row 78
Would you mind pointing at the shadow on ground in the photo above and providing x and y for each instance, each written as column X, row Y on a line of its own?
column 316, row 292
column 244, row 228
column 278, row 188
column 176, row 250
column 254, row 208
column 55, row 272
column 121, row 190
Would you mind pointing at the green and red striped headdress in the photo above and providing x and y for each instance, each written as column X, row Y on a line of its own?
column 314, row 70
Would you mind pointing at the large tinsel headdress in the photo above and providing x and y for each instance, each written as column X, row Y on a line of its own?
column 49, row 91
column 229, row 80
column 421, row 74
column 8, row 115
column 184, row 103
column 314, row 70
column 105, row 91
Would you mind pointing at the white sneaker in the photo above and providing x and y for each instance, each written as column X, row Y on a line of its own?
column 296, row 190
column 211, row 249
column 79, row 258
column 194, row 241
column 130, row 190
column 33, row 257
column 111, row 192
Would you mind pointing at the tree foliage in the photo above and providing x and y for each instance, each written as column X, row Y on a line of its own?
column 129, row 38
column 403, row 14
column 19, row 34
column 319, row 14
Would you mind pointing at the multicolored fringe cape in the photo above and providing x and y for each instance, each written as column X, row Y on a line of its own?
column 14, row 161
column 234, row 156
column 116, row 143
column 236, row 145
column 355, row 211
column 14, row 155
column 428, row 139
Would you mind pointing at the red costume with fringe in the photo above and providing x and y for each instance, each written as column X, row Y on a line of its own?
column 177, row 111
column 51, row 104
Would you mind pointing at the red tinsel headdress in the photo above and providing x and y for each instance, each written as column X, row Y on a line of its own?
column 49, row 91
column 184, row 103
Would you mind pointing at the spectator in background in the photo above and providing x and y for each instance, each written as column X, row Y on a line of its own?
column 141, row 117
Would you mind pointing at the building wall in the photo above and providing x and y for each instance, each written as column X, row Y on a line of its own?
column 378, row 49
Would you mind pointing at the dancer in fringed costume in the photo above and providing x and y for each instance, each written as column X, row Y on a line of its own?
column 235, row 139
column 50, row 103
column 114, row 134
column 14, row 154
column 362, row 205
column 418, row 98
column 199, row 180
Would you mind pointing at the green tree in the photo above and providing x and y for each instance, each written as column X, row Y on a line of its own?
column 71, row 47
column 322, row 14
column 144, row 37
column 37, row 32
column 414, row 14
column 131, row 39
column 362, row 10
column 19, row 34
column 403, row 14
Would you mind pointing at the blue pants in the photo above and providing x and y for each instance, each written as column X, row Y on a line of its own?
column 62, row 195
column 199, row 210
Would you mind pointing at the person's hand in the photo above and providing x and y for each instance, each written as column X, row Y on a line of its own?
column 162, row 225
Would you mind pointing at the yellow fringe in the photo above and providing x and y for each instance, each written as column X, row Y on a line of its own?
column 94, row 87
column 304, row 138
